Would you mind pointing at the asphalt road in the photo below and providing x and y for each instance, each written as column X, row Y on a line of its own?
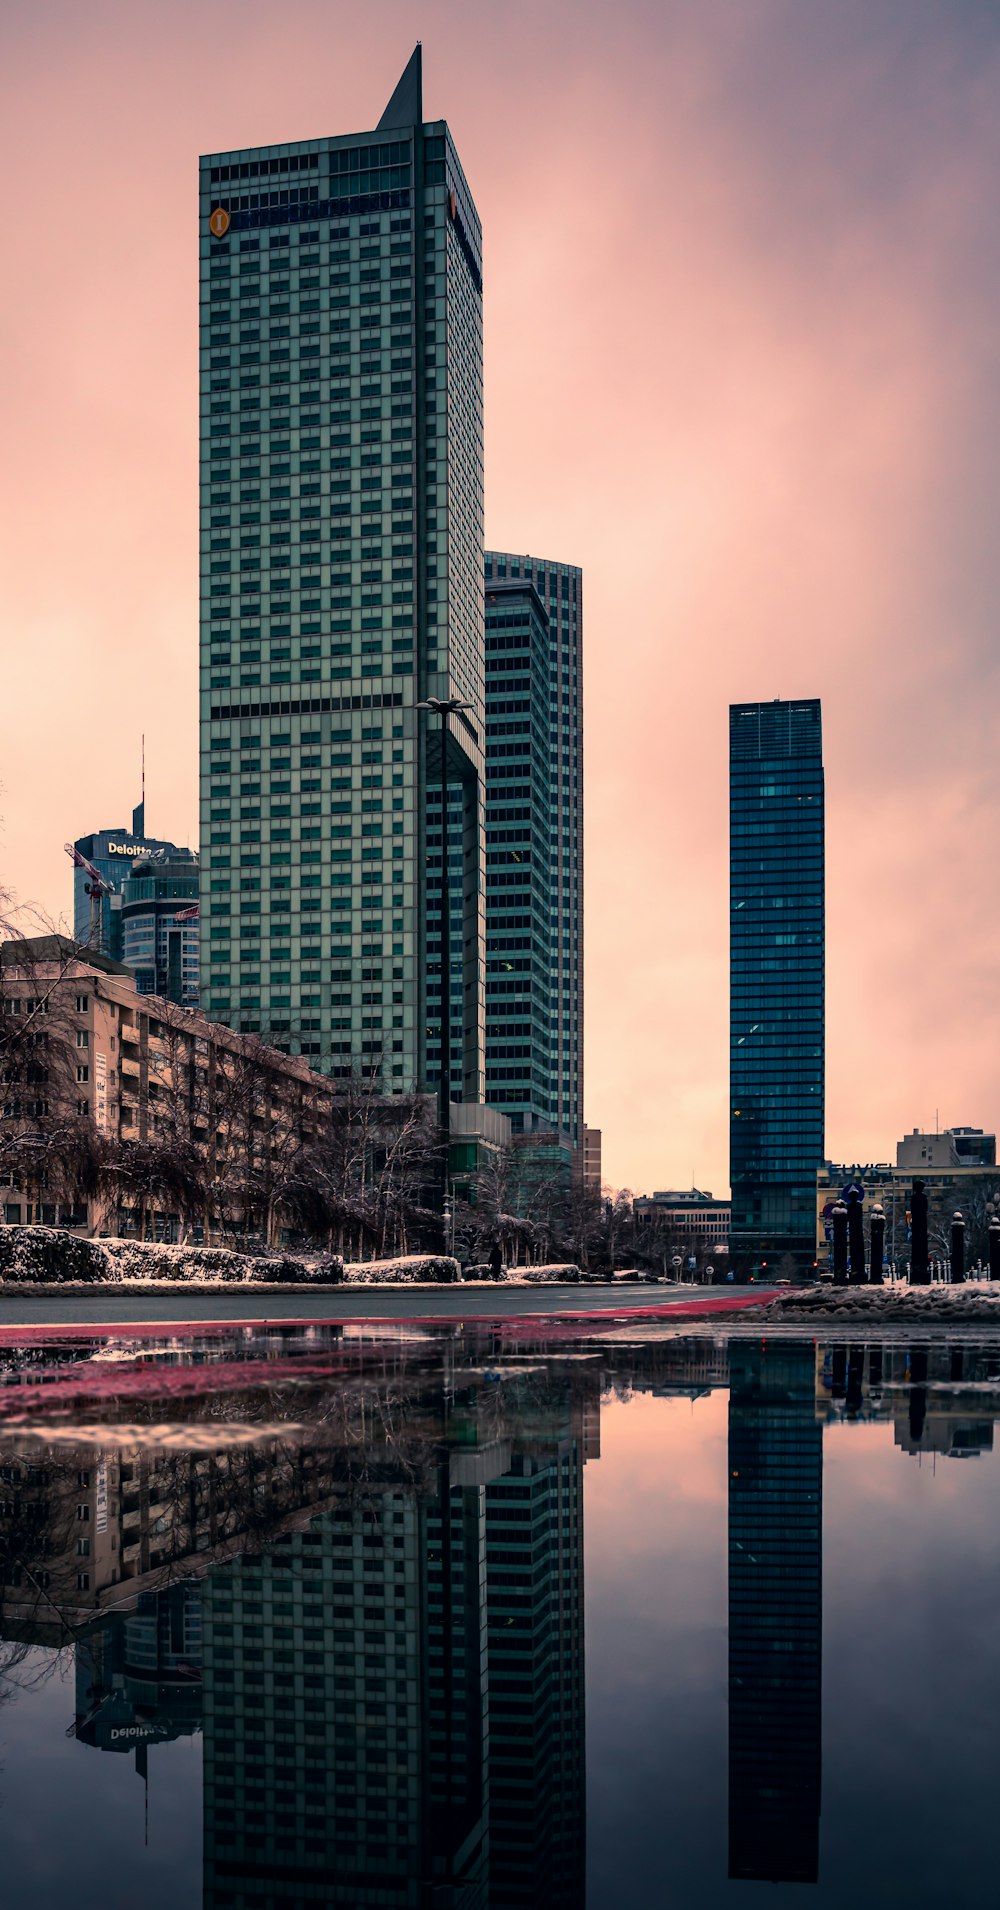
column 359, row 1303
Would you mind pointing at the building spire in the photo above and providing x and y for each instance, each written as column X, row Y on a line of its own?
column 406, row 107
column 139, row 814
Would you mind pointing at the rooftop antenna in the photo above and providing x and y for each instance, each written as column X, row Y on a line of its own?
column 139, row 815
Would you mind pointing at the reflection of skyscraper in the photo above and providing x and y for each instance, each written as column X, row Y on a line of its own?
column 138, row 1673
column 534, row 1528
column 346, row 1704
column 775, row 1613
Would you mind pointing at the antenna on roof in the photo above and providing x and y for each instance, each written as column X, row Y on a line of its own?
column 139, row 815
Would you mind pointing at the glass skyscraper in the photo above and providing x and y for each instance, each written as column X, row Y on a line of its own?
column 341, row 584
column 514, row 720
column 519, row 994
column 776, row 1010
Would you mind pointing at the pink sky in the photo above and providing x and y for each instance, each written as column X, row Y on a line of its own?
column 741, row 283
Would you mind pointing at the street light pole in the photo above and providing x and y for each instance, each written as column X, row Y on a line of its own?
column 445, row 707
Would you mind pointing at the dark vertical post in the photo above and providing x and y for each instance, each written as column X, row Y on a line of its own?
column 840, row 1245
column 856, row 1234
column 919, row 1270
column 876, row 1250
column 994, row 1248
column 855, row 1380
column 957, row 1249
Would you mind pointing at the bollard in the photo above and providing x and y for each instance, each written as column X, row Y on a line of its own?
column 994, row 1248
column 876, row 1249
column 840, row 1245
column 957, row 1249
column 856, row 1235
column 919, row 1268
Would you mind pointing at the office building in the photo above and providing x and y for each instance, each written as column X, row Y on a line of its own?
column 520, row 997
column 559, row 592
column 159, row 926
column 97, row 920
column 690, row 1215
column 775, row 1612
column 342, row 528
column 776, row 979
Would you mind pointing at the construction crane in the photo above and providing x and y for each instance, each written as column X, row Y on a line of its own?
column 95, row 887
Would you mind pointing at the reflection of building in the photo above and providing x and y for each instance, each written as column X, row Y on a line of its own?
column 776, row 978
column 138, row 1673
column 775, row 1612
column 534, row 1533
column 343, row 593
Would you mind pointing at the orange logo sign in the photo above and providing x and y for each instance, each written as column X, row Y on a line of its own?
column 218, row 223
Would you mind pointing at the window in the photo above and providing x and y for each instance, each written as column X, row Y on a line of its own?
column 83, row 1072
column 82, row 1004
column 83, row 1548
column 82, row 1514
column 82, row 1038
column 83, row 1581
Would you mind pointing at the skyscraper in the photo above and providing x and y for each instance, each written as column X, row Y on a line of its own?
column 97, row 920
column 559, row 592
column 775, row 1612
column 342, row 524
column 519, row 866
column 776, row 1010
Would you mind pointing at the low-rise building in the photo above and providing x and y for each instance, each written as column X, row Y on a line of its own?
column 592, row 1165
column 691, row 1214
column 946, row 1147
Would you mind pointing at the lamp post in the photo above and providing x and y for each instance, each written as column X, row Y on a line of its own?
column 445, row 707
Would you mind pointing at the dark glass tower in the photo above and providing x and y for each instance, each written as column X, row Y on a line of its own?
column 776, row 1010
column 341, row 585
column 775, row 1612
column 559, row 589
column 519, row 869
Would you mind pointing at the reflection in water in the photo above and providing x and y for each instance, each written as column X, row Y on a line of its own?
column 371, row 1605
column 775, row 1612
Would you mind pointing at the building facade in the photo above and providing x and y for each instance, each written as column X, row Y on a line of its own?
column 592, row 1165
column 777, row 954
column 519, row 994
column 97, row 921
column 342, row 531
column 692, row 1215
column 559, row 589
column 159, row 926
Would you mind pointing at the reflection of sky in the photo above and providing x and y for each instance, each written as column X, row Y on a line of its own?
column 71, row 1817
column 910, row 1561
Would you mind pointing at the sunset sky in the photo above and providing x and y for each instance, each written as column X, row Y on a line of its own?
column 741, row 285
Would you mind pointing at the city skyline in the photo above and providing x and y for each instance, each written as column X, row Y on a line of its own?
column 861, row 291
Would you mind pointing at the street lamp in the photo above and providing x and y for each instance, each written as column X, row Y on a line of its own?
column 444, row 708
